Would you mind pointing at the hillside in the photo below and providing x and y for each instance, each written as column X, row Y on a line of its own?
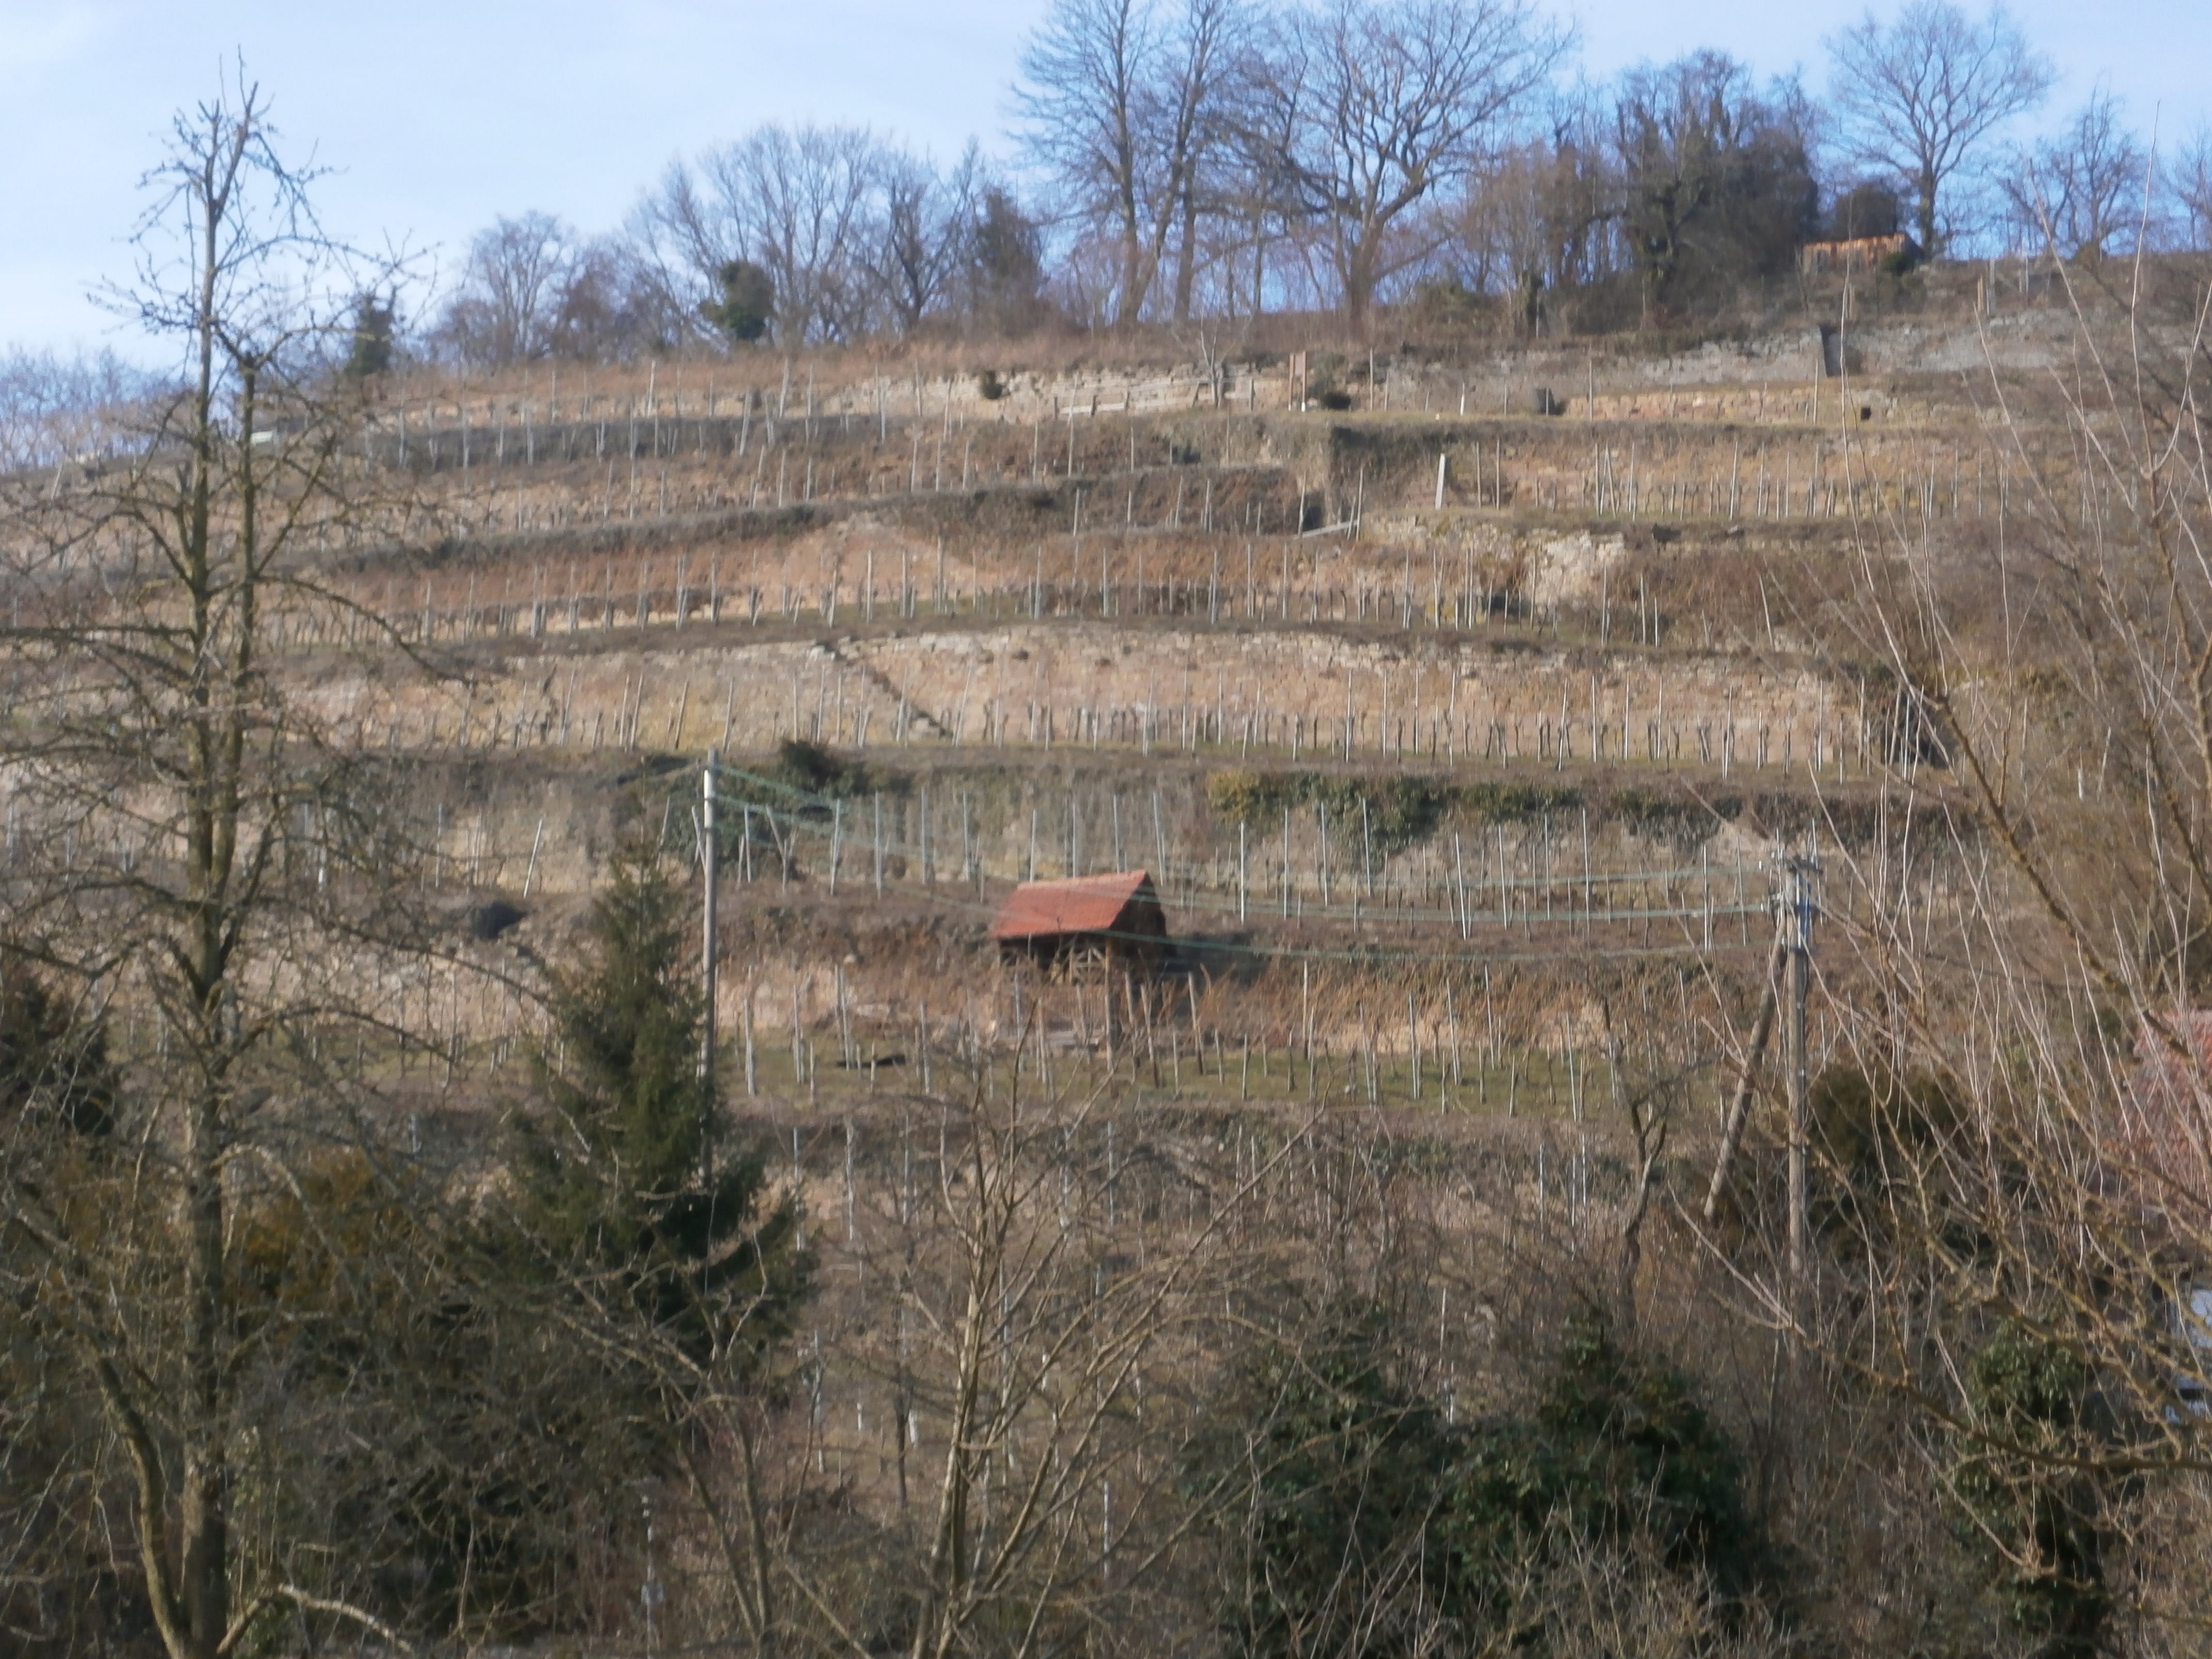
column 1584, row 664
column 1470, row 706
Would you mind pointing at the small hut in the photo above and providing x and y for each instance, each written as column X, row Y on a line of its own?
column 1110, row 920
column 1857, row 253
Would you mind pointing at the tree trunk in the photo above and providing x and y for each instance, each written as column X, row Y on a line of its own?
column 1358, row 286
column 1186, row 262
column 204, row 1508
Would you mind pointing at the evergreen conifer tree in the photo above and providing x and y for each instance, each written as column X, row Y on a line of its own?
column 625, row 1172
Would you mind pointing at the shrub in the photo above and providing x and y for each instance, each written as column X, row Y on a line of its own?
column 1325, row 1471
column 1354, row 1509
column 2035, row 1474
column 1398, row 810
column 803, row 777
column 1447, row 306
column 1617, row 1444
column 1513, row 803
column 54, row 1064
column 819, row 770
column 1864, row 210
column 746, row 305
column 1649, row 812
column 374, row 321
column 1242, row 797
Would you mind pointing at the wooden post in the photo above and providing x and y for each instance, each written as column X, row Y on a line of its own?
column 1739, row 1104
column 710, row 859
column 1797, row 919
column 752, row 1075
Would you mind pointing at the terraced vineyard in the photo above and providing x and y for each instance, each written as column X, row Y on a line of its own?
column 1461, row 746
column 1373, row 982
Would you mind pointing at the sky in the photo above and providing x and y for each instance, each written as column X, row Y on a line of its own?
column 435, row 118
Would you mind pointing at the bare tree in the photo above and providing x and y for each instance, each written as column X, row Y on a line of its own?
column 926, row 233
column 507, row 306
column 1544, row 216
column 1390, row 102
column 1053, row 1297
column 54, row 410
column 612, row 306
column 2011, row 1152
column 802, row 204
column 1715, row 181
column 1125, row 110
column 684, row 240
column 2187, row 181
column 1256, row 191
column 1920, row 97
column 2085, row 190
column 1191, row 116
column 1546, row 212
column 532, row 288
column 210, row 852
column 1501, row 226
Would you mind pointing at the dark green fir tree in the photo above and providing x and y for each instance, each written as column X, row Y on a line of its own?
column 625, row 1174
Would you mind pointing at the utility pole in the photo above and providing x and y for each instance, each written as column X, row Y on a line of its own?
column 710, row 855
column 1798, row 876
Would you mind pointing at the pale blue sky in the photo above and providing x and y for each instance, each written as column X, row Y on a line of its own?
column 440, row 116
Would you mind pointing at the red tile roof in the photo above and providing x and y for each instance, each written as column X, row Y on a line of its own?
column 1086, row 904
